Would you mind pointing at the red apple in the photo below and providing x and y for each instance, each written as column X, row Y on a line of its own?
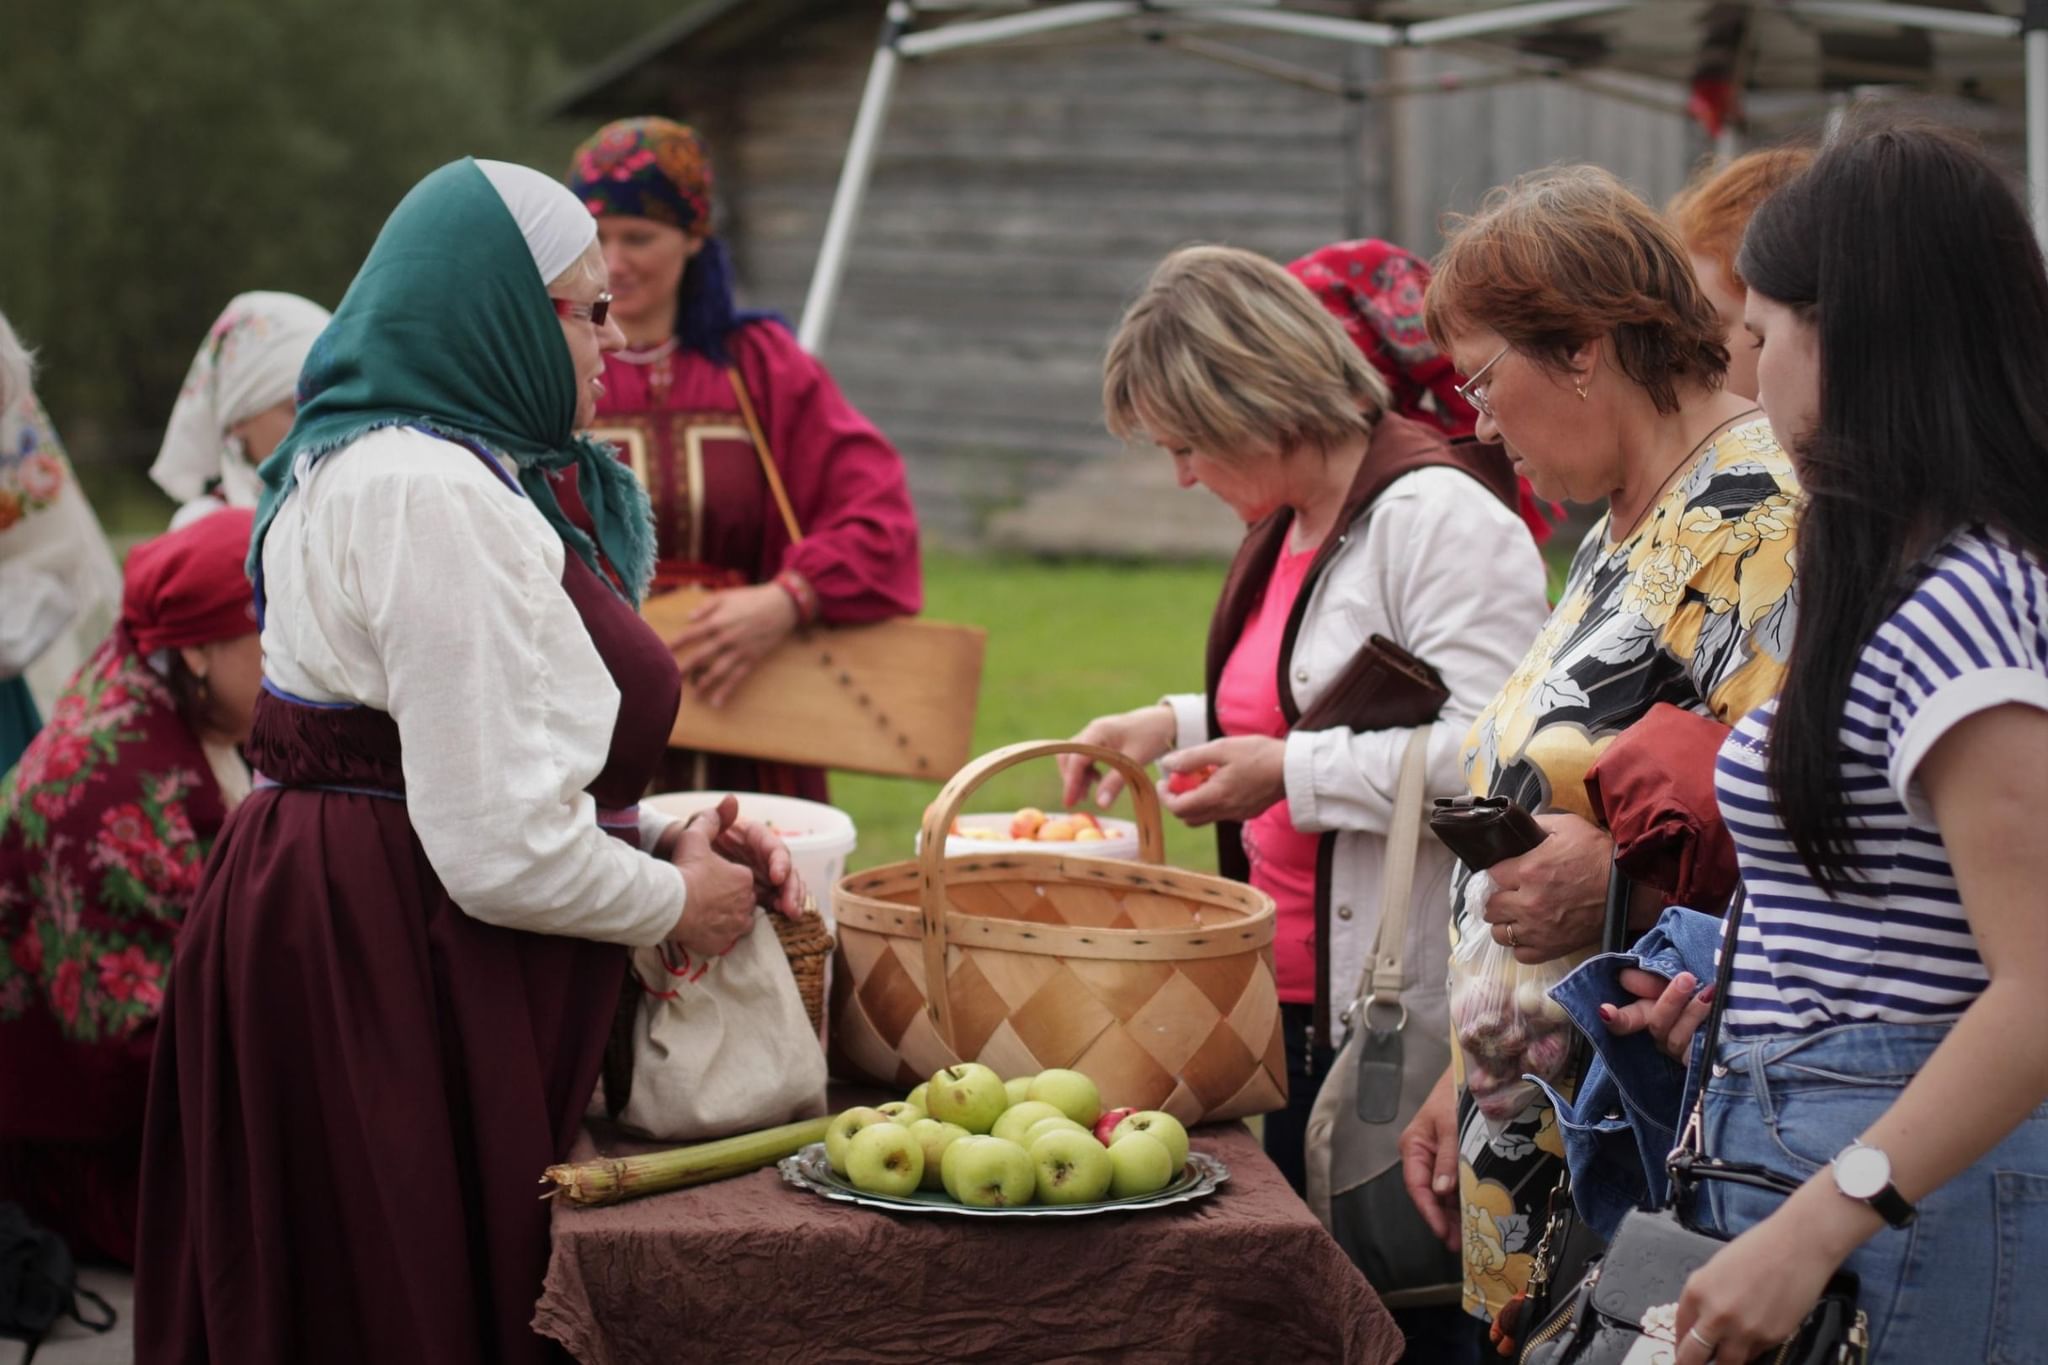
column 1106, row 1125
column 1182, row 782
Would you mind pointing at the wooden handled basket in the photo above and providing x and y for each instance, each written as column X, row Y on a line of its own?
column 1157, row 983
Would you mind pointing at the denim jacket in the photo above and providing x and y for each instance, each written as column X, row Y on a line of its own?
column 1622, row 1122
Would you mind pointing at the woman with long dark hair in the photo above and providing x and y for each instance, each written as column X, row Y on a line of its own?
column 1884, row 1040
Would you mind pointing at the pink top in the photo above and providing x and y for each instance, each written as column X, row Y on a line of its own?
column 1283, row 860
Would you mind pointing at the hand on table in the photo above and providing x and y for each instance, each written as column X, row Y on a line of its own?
column 1551, row 901
column 1250, row 775
column 1141, row 736
column 729, row 634
column 1429, row 1162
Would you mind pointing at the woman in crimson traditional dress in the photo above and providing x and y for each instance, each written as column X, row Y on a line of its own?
column 690, row 403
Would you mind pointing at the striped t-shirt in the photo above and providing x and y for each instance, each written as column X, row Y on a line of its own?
column 1973, row 634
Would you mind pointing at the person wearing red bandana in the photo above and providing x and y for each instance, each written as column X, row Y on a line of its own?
column 768, row 485
column 104, row 826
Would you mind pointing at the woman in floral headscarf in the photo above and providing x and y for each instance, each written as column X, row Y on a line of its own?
column 709, row 404
column 59, row 585
column 1375, row 289
column 237, row 402
column 104, row 826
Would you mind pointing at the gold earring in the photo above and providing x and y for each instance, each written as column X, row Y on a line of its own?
column 1580, row 385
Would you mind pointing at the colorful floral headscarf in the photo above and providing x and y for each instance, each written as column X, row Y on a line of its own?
column 1375, row 289
column 645, row 168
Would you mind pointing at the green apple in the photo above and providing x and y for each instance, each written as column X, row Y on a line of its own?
column 841, row 1130
column 1070, row 1092
column 903, row 1112
column 1016, row 1121
column 917, row 1096
column 1163, row 1126
column 1043, row 1126
column 883, row 1158
column 1139, row 1164
column 935, row 1138
column 1017, row 1089
column 969, row 1094
column 1071, row 1167
column 987, row 1172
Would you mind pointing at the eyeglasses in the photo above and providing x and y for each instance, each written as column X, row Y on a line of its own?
column 1470, row 390
column 595, row 313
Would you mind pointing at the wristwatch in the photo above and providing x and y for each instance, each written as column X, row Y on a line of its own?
column 1865, row 1173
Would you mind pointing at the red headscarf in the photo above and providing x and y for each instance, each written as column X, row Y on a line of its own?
column 1375, row 289
column 188, row 587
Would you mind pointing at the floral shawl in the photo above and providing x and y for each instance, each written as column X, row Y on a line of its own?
column 104, row 827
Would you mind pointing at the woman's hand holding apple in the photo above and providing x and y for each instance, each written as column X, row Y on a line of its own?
column 1248, row 775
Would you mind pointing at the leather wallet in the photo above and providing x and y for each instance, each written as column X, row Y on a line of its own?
column 1484, row 830
column 1384, row 687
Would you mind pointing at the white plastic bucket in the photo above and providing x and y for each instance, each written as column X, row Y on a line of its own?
column 1120, row 839
column 819, row 836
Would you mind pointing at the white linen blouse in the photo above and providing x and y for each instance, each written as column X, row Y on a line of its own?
column 404, row 575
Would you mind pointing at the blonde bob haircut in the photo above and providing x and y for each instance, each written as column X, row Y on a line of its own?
column 1227, row 353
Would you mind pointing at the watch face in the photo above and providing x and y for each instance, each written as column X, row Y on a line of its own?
column 1862, row 1172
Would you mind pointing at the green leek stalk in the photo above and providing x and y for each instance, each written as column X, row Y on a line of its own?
column 614, row 1179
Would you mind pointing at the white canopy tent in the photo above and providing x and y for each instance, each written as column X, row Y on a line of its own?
column 1773, row 48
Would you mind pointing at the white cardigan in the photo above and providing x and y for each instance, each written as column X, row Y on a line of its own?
column 1440, row 567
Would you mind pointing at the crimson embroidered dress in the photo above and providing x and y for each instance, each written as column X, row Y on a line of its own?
column 674, row 417
column 104, row 827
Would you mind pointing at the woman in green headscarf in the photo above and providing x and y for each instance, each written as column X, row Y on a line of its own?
column 390, row 1001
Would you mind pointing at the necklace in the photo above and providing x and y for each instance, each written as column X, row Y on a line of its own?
column 1656, row 495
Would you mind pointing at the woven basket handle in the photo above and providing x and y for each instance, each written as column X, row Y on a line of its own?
column 939, row 817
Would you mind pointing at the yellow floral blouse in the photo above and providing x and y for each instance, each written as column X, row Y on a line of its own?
column 1695, row 608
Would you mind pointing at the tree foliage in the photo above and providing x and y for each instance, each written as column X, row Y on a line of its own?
column 157, row 158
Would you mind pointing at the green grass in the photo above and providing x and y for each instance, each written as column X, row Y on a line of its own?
column 1067, row 642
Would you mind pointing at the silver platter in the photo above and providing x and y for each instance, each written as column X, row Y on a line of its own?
column 808, row 1170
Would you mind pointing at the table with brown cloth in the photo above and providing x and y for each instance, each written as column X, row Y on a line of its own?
column 752, row 1269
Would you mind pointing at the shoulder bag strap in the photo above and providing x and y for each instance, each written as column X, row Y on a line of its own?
column 1690, row 1141
column 760, row 442
column 1381, row 980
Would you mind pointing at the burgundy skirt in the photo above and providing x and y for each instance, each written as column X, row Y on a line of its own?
column 357, row 1085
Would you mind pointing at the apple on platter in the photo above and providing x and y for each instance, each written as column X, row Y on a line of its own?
column 903, row 1112
column 1072, row 1167
column 884, row 1158
column 1139, row 1164
column 842, row 1130
column 916, row 1097
column 1016, row 1121
column 1017, row 1089
column 1105, row 1126
column 1160, row 1125
column 969, row 1094
column 1072, row 1093
column 988, row 1173
column 1044, row 1126
column 935, row 1138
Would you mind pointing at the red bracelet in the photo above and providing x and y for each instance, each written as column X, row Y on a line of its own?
column 801, row 593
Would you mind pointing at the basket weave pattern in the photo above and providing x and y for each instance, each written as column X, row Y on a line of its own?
column 1157, row 983
column 808, row 945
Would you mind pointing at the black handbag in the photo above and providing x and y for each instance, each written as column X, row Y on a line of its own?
column 39, row 1282
column 1628, row 1300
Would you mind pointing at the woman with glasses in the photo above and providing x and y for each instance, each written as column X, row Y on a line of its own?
column 768, row 486
column 392, row 993
column 1597, row 362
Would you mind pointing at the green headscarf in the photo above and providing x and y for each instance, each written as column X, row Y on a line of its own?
column 448, row 328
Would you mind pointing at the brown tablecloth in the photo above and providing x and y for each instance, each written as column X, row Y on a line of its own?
column 751, row 1269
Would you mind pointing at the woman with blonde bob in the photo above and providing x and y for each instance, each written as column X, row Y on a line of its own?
column 1362, row 523
column 1597, row 362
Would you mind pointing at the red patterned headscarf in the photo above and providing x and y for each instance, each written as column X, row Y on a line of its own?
column 645, row 168
column 188, row 587
column 1375, row 289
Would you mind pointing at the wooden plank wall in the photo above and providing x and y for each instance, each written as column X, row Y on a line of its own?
column 1022, row 194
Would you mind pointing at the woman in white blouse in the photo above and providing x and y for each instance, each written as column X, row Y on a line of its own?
column 390, row 1002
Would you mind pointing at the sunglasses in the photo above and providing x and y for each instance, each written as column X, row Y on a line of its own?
column 594, row 313
column 1472, row 393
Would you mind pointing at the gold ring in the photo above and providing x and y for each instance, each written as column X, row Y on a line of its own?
column 1513, row 944
column 810, row 904
column 1694, row 1333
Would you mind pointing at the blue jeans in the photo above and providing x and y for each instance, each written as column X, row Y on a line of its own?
column 1968, row 1279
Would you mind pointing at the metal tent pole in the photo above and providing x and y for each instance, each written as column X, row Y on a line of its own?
column 2034, row 36
column 823, row 296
